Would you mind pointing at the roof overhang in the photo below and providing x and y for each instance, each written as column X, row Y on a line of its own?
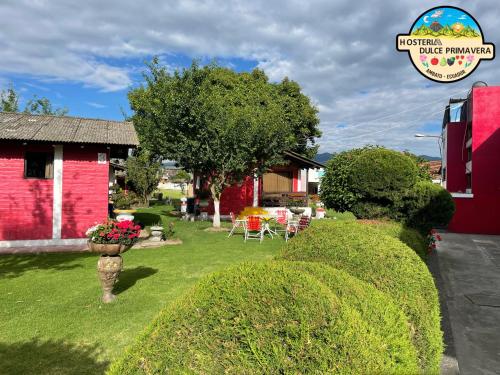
column 302, row 161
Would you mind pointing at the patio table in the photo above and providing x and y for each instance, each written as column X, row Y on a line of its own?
column 266, row 225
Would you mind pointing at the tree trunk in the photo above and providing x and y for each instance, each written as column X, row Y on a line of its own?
column 216, row 194
column 216, row 221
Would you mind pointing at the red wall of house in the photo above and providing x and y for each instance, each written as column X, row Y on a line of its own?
column 456, row 157
column 85, row 189
column 25, row 204
column 480, row 214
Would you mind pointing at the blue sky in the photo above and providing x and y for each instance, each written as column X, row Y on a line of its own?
column 85, row 101
column 87, row 55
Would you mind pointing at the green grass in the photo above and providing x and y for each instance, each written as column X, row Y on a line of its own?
column 53, row 322
column 172, row 194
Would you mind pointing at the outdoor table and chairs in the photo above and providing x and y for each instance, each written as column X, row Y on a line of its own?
column 256, row 226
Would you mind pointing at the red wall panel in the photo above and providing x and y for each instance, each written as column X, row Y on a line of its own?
column 85, row 189
column 25, row 204
column 456, row 157
column 480, row 214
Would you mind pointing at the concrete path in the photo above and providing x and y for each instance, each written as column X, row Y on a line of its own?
column 467, row 270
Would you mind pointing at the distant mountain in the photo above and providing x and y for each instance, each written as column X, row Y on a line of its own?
column 323, row 157
column 429, row 158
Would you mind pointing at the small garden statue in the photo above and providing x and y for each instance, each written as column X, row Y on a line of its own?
column 110, row 239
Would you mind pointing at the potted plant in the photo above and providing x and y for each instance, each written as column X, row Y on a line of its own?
column 110, row 239
column 122, row 203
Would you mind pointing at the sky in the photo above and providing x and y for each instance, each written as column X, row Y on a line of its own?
column 87, row 55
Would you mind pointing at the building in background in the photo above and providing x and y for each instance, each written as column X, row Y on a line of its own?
column 471, row 160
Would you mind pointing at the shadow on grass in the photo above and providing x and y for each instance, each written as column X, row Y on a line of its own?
column 50, row 357
column 16, row 265
column 147, row 218
column 128, row 278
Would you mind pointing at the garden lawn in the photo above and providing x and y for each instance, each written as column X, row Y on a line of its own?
column 52, row 319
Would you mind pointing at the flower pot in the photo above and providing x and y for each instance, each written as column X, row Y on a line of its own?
column 123, row 215
column 156, row 233
column 297, row 211
column 109, row 249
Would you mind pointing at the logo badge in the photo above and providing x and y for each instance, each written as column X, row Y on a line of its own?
column 445, row 44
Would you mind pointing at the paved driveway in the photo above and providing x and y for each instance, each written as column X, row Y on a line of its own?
column 468, row 277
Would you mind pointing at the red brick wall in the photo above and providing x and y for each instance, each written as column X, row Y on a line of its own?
column 25, row 204
column 85, row 189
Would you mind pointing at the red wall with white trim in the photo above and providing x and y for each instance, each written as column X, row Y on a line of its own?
column 85, row 189
column 25, row 204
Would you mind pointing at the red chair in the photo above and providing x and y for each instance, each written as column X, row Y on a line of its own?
column 253, row 229
column 237, row 223
column 304, row 222
column 281, row 219
column 292, row 228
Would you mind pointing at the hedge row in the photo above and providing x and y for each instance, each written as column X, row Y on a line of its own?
column 342, row 298
column 276, row 317
column 388, row 265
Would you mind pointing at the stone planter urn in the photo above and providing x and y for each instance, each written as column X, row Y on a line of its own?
column 156, row 233
column 109, row 266
column 123, row 215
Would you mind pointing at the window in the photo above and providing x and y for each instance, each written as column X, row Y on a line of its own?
column 38, row 165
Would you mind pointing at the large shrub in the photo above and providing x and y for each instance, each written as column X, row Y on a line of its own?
column 383, row 315
column 386, row 263
column 268, row 318
column 409, row 236
column 429, row 206
column 336, row 191
column 371, row 182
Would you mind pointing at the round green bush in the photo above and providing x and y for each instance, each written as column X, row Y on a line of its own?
column 379, row 174
column 383, row 315
column 387, row 264
column 370, row 182
column 264, row 318
column 429, row 206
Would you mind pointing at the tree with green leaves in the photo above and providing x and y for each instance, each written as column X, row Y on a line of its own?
column 216, row 122
column 9, row 102
column 143, row 173
column 43, row 106
column 182, row 178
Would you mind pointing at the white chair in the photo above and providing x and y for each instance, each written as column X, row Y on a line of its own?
column 237, row 223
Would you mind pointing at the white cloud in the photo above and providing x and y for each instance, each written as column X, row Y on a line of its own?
column 96, row 105
column 342, row 52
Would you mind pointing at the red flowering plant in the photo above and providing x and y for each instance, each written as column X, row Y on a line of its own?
column 432, row 238
column 115, row 232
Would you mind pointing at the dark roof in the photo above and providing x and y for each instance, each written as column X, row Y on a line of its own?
column 302, row 160
column 65, row 129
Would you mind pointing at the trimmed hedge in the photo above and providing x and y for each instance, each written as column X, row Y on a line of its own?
column 271, row 318
column 409, row 236
column 386, row 263
column 429, row 206
column 383, row 315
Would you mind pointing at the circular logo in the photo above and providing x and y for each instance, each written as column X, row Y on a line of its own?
column 445, row 44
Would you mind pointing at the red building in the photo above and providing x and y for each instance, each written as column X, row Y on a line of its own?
column 471, row 160
column 55, row 176
column 275, row 188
